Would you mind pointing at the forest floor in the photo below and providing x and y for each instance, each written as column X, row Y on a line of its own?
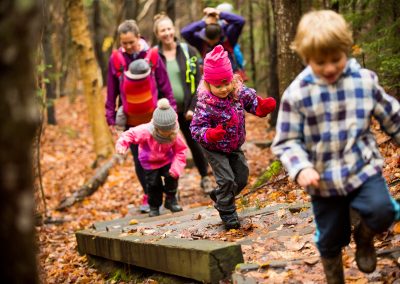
column 66, row 164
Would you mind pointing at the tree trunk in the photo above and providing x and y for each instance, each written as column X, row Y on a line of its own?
column 273, row 77
column 103, row 145
column 131, row 9
column 98, row 39
column 49, row 71
column 286, row 15
column 252, row 60
column 171, row 9
column 19, row 37
column 157, row 7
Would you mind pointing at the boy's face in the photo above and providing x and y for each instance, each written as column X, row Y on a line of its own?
column 328, row 67
column 130, row 42
column 222, row 90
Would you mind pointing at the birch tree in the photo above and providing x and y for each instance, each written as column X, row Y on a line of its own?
column 89, row 71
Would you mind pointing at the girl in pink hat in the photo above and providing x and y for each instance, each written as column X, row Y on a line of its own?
column 219, row 126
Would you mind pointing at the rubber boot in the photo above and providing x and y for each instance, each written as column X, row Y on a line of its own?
column 172, row 204
column 333, row 268
column 231, row 221
column 365, row 250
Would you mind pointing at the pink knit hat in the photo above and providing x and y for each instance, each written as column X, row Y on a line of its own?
column 217, row 67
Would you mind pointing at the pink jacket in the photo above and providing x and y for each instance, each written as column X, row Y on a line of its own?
column 152, row 154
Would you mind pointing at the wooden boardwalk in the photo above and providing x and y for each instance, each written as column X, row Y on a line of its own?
column 171, row 243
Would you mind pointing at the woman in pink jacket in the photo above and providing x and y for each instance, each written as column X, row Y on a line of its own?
column 162, row 153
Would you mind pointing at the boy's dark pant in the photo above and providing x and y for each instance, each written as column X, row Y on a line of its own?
column 332, row 214
column 156, row 187
column 231, row 173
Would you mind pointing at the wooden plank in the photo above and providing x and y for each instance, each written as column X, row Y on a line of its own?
column 202, row 260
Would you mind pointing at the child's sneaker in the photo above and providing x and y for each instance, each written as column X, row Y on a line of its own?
column 172, row 204
column 154, row 211
column 144, row 207
column 231, row 221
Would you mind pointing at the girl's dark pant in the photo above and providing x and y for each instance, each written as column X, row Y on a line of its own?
column 332, row 214
column 156, row 186
column 231, row 173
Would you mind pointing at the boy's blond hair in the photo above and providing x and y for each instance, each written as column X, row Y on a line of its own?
column 320, row 33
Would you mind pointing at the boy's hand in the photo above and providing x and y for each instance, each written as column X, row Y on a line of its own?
column 265, row 106
column 308, row 177
column 215, row 134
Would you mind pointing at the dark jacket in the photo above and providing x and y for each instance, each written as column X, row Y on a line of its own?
column 189, row 98
column 194, row 34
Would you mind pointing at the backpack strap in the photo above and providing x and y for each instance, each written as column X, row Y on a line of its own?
column 119, row 62
column 190, row 67
column 152, row 57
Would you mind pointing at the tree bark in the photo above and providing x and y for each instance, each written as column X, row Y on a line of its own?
column 103, row 144
column 49, row 70
column 19, row 37
column 252, row 56
column 131, row 9
column 171, row 9
column 98, row 39
column 91, row 186
column 287, row 15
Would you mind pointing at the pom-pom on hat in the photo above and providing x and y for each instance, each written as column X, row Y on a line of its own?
column 164, row 116
column 217, row 67
column 138, row 69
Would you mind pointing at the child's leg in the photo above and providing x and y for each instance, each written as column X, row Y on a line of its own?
column 332, row 218
column 240, row 169
column 170, row 189
column 374, row 203
column 224, row 194
column 155, row 191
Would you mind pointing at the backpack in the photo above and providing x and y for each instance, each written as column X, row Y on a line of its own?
column 190, row 67
column 138, row 97
column 120, row 63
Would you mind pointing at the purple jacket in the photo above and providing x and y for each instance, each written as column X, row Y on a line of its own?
column 160, row 73
column 212, row 111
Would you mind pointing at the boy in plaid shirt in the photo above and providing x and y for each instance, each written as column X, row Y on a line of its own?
column 323, row 138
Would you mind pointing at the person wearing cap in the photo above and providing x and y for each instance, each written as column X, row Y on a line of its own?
column 208, row 32
column 162, row 154
column 133, row 47
column 219, row 126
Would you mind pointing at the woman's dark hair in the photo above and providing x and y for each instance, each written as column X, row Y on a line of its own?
column 213, row 31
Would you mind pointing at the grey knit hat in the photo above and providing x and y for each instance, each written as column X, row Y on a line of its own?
column 164, row 116
column 138, row 69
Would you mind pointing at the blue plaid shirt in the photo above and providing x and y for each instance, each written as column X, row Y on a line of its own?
column 327, row 127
